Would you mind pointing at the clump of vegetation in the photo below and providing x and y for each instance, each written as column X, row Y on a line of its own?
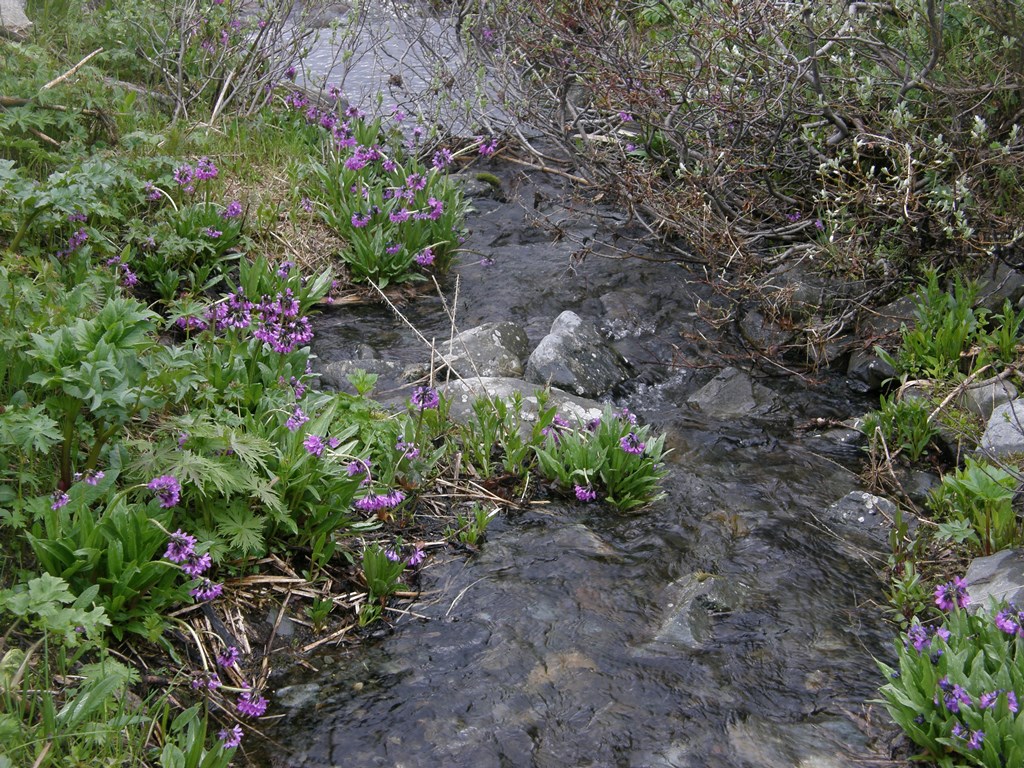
column 955, row 688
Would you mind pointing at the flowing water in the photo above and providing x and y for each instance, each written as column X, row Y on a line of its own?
column 729, row 624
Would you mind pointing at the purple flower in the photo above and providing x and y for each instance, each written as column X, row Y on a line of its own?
column 90, row 476
column 1011, row 701
column 409, row 450
column 425, row 398
column 391, row 555
column 210, row 682
column 357, row 467
column 290, row 73
column 230, row 657
column 793, row 217
column 230, row 738
column 487, row 148
column 953, row 696
column 402, row 214
column 360, row 220
column 917, row 636
column 975, row 741
column 377, row 501
column 167, row 489
column 285, row 268
column 307, row 204
column 314, row 445
column 251, row 704
column 233, row 210
column 631, row 444
column 425, row 257
column 194, row 564
column 1006, row 620
column 416, row 557
column 205, row 169
column 585, row 493
column 212, row 233
column 296, row 420
column 952, row 594
column 442, row 158
column 180, row 547
column 60, row 499
column 625, row 117
column 988, row 699
column 206, row 590
column 183, row 175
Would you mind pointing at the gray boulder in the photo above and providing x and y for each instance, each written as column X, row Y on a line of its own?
column 13, row 21
column 861, row 518
column 574, row 357
column 996, row 577
column 983, row 397
column 868, row 372
column 493, row 349
column 732, row 393
column 998, row 284
column 1004, row 434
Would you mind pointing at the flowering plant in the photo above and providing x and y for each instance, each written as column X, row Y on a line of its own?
column 612, row 458
column 956, row 687
column 396, row 214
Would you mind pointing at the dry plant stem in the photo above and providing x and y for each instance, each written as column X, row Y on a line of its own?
column 429, row 344
column 71, row 71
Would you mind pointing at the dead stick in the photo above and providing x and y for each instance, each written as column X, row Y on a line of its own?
column 71, row 71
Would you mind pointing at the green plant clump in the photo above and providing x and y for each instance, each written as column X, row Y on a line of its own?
column 956, row 688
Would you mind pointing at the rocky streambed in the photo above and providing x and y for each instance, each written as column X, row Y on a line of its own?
column 734, row 623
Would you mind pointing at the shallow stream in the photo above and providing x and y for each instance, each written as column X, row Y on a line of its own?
column 727, row 625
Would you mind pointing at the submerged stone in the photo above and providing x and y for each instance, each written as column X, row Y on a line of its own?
column 492, row 349
column 732, row 393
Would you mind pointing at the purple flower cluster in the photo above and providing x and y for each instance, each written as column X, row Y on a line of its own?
column 585, row 493
column 990, row 699
column 230, row 738
column 276, row 322
column 953, row 696
column 487, row 148
column 251, row 704
column 408, row 450
column 952, row 594
column 442, row 159
column 186, row 176
column 1011, row 621
column 90, row 476
column 425, row 398
column 229, row 658
column 425, row 257
column 181, row 551
column 375, row 502
column 631, row 444
column 209, row 682
column 167, row 489
column 919, row 636
column 76, row 241
column 60, row 499
column 973, row 738
column 128, row 278
column 296, row 420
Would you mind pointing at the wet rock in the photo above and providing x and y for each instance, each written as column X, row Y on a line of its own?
column 690, row 604
column 996, row 577
column 732, row 393
column 983, row 397
column 861, row 518
column 334, row 376
column 763, row 334
column 887, row 321
column 297, row 696
column 464, row 392
column 823, row 744
column 13, row 21
column 480, row 185
column 868, row 372
column 1004, row 434
column 493, row 349
column 574, row 357
column 999, row 284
